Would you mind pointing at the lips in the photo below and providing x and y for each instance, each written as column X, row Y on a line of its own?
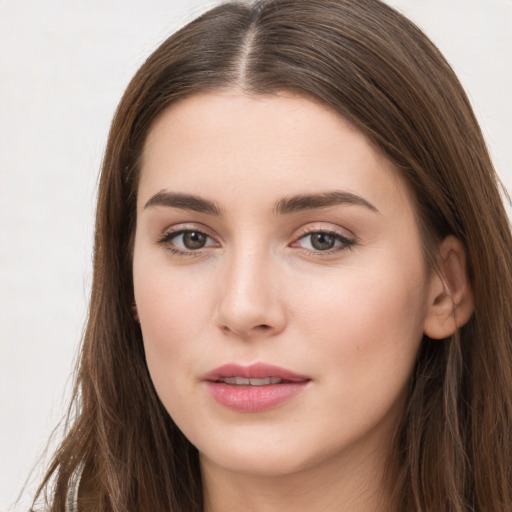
column 255, row 388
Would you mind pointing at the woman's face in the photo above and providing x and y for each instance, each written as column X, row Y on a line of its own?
column 279, row 282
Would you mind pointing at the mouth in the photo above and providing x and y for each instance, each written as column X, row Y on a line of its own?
column 242, row 381
column 255, row 388
column 258, row 374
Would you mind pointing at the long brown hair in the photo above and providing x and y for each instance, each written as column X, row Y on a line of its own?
column 378, row 70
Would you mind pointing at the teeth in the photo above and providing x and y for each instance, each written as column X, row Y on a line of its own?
column 242, row 381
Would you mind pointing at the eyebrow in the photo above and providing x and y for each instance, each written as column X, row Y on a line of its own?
column 321, row 200
column 183, row 201
column 285, row 206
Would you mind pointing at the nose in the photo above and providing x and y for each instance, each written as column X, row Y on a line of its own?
column 251, row 300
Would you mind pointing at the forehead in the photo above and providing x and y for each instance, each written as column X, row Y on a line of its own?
column 231, row 145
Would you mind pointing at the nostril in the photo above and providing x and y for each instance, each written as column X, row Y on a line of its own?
column 261, row 328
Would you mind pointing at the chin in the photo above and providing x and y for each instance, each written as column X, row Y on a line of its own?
column 255, row 463
column 259, row 457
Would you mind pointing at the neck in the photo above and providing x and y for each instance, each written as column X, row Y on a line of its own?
column 357, row 487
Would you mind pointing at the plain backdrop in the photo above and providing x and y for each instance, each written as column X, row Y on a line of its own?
column 63, row 67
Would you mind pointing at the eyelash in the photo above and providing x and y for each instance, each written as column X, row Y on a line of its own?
column 166, row 241
column 344, row 242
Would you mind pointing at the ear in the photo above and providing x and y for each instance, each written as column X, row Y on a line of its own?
column 135, row 312
column 450, row 302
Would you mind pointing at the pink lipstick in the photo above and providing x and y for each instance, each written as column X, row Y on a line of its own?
column 255, row 388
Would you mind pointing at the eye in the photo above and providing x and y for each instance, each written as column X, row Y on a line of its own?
column 187, row 240
column 323, row 241
column 191, row 240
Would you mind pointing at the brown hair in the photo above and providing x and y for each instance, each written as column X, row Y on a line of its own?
column 379, row 71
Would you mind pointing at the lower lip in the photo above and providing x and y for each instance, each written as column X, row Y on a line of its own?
column 254, row 398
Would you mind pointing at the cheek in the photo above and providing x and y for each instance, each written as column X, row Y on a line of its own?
column 174, row 311
column 366, row 330
column 167, row 305
column 377, row 301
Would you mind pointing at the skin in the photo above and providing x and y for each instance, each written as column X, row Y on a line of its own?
column 351, row 319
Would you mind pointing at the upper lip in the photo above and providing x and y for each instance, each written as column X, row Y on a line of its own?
column 253, row 371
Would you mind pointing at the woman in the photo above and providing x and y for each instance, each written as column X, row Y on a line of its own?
column 302, row 278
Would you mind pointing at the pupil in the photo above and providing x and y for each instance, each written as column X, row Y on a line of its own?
column 322, row 241
column 194, row 240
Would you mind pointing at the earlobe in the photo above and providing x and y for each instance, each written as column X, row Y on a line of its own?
column 450, row 302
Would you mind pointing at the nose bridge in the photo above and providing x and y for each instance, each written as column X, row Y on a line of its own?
column 249, row 298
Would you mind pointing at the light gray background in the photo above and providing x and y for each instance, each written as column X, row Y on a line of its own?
column 63, row 67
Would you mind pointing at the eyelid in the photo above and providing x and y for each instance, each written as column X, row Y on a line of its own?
column 185, row 226
column 323, row 227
